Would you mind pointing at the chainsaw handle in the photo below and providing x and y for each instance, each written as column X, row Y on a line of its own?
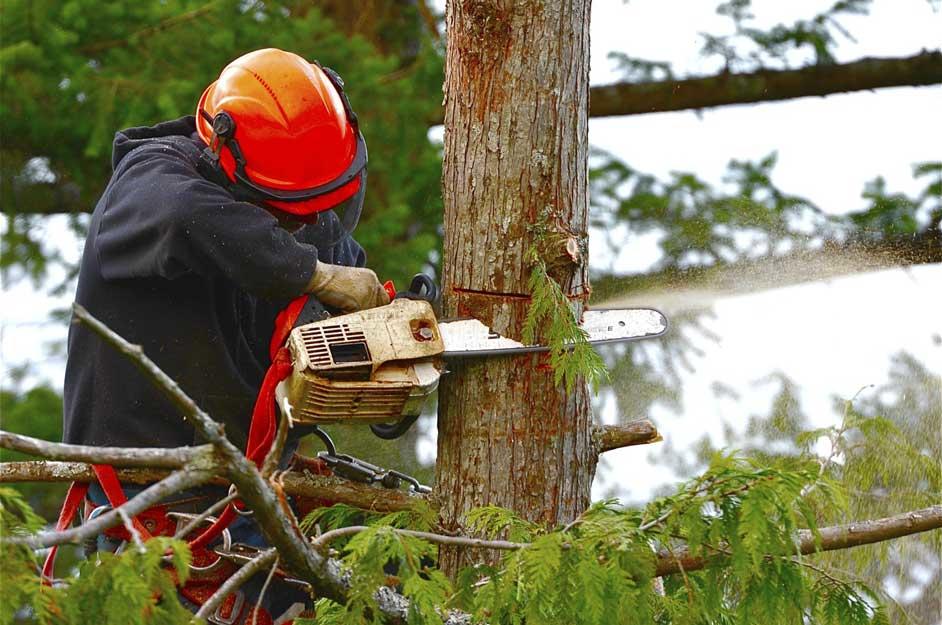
column 389, row 431
column 421, row 287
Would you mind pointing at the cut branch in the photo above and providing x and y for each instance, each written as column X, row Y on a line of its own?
column 609, row 437
column 832, row 538
column 294, row 483
column 118, row 456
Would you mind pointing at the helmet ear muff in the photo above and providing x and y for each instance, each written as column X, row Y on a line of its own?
column 210, row 165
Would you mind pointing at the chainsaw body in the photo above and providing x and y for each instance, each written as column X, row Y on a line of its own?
column 374, row 366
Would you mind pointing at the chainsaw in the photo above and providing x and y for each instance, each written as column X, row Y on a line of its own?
column 380, row 366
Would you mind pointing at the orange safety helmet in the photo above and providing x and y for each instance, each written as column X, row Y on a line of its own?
column 281, row 132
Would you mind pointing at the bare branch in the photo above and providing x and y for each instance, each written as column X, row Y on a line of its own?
column 175, row 482
column 765, row 85
column 609, row 437
column 296, row 483
column 832, row 538
column 626, row 98
column 439, row 539
column 199, row 519
column 239, row 578
column 118, row 456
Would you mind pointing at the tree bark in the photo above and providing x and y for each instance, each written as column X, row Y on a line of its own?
column 516, row 141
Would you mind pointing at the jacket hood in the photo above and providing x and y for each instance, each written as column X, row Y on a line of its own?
column 127, row 140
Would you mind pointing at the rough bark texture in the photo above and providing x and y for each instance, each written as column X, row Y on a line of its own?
column 516, row 139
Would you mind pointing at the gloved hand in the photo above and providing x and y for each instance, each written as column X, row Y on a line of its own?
column 347, row 288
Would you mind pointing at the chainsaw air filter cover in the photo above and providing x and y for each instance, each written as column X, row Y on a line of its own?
column 372, row 366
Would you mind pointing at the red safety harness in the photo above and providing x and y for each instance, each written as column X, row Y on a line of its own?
column 262, row 431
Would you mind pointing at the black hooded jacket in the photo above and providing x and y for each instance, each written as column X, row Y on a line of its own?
column 175, row 264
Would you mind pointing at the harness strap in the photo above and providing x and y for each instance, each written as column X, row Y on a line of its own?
column 73, row 499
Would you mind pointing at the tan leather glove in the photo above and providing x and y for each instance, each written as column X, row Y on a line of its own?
column 347, row 288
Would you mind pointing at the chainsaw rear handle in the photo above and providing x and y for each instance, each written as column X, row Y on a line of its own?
column 389, row 431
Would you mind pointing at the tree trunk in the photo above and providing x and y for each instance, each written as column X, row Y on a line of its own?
column 516, row 154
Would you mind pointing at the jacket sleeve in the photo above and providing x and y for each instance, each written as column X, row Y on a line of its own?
column 162, row 218
column 336, row 246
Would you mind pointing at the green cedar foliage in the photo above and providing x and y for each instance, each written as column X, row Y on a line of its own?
column 600, row 568
column 551, row 318
column 132, row 588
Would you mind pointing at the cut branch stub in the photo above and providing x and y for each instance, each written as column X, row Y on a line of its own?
column 609, row 437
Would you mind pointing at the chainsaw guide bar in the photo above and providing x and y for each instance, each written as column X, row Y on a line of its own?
column 467, row 338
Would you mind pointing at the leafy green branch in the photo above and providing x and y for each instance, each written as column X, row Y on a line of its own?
column 551, row 318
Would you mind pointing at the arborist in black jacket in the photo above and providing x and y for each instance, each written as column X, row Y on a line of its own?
column 208, row 227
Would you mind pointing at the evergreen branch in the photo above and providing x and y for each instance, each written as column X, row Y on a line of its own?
column 98, row 47
column 233, row 583
column 550, row 320
column 118, row 456
column 295, row 483
column 641, row 432
column 439, row 539
column 147, row 498
column 833, row 538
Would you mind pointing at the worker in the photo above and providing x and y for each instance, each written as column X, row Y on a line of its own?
column 209, row 226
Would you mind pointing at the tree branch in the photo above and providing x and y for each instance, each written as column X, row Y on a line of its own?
column 295, row 483
column 626, row 98
column 832, row 538
column 149, row 497
column 118, row 456
column 233, row 583
column 439, row 539
column 609, row 437
column 765, row 85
